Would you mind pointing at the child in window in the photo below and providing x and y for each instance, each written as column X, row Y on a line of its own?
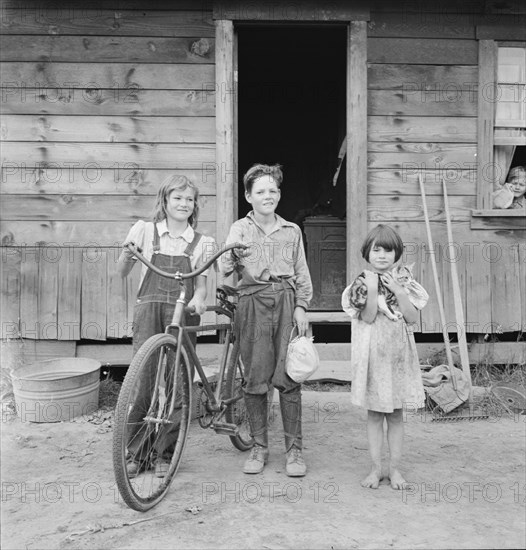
column 511, row 195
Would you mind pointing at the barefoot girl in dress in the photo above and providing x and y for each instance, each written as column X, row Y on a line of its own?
column 384, row 362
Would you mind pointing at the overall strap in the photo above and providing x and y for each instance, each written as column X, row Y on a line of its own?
column 191, row 247
column 156, row 239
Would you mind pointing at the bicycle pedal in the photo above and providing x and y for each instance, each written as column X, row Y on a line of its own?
column 225, row 428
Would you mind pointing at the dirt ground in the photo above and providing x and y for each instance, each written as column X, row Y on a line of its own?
column 467, row 488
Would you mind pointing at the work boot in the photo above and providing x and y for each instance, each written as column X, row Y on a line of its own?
column 296, row 466
column 255, row 463
column 290, row 404
column 256, row 406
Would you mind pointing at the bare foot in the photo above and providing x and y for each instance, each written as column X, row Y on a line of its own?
column 397, row 480
column 372, row 480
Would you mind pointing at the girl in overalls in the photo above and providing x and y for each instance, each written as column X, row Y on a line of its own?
column 171, row 244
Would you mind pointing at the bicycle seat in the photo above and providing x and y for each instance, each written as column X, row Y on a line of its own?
column 228, row 290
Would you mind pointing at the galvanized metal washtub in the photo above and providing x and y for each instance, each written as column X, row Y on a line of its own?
column 57, row 390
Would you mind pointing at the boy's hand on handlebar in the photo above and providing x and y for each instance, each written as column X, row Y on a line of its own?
column 241, row 251
column 198, row 306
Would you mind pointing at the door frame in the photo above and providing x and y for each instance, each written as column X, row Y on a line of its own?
column 226, row 13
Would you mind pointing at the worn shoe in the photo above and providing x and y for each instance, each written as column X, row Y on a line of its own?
column 255, row 463
column 134, row 468
column 161, row 467
column 296, row 466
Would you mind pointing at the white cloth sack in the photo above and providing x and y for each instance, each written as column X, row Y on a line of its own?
column 302, row 358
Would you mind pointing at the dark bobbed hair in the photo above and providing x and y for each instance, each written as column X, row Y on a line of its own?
column 384, row 236
column 258, row 170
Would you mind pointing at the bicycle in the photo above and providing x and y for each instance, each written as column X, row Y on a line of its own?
column 162, row 370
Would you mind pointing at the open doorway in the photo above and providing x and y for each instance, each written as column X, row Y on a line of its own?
column 292, row 111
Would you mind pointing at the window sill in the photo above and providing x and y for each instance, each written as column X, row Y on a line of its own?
column 498, row 219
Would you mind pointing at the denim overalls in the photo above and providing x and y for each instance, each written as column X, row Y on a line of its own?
column 154, row 310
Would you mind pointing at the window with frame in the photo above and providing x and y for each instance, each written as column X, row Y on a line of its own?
column 501, row 124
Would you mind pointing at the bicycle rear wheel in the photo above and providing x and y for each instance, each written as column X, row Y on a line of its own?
column 144, row 430
column 236, row 412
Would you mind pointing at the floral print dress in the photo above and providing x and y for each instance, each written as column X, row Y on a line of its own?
column 384, row 362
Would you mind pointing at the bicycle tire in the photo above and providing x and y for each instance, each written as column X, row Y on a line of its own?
column 236, row 412
column 144, row 490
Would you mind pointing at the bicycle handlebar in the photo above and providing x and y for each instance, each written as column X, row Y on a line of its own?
column 134, row 249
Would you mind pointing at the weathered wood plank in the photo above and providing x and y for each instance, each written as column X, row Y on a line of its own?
column 449, row 257
column 106, row 49
column 107, row 129
column 522, row 281
column 440, row 103
column 29, row 294
column 225, row 132
column 121, row 180
column 308, row 10
column 503, row 31
column 132, row 288
column 405, row 182
column 121, row 101
column 417, row 78
column 47, row 299
column 478, row 288
column 486, row 121
column 356, row 166
column 93, row 295
column 77, row 233
column 10, row 280
column 42, row 350
column 419, row 156
column 116, row 294
column 123, row 21
column 411, row 25
column 122, row 78
column 429, row 8
column 506, row 314
column 422, row 128
column 69, row 293
column 422, row 51
column 88, row 207
column 497, row 222
column 106, row 155
column 387, row 208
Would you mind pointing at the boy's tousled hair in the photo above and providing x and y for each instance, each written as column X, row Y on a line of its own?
column 175, row 183
column 258, row 170
column 384, row 236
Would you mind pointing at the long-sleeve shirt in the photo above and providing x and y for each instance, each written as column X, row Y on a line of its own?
column 273, row 257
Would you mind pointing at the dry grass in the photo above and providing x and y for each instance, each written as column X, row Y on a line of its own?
column 109, row 393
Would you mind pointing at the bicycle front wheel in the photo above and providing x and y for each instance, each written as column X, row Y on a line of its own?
column 148, row 440
column 236, row 412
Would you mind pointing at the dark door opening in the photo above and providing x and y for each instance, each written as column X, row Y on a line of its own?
column 292, row 111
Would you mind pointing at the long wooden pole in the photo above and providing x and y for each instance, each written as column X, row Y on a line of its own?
column 457, row 298
column 438, row 290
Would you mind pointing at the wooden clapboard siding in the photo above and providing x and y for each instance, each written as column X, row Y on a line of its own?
column 448, row 78
column 390, row 208
column 76, row 207
column 84, row 233
column 109, row 155
column 80, row 20
column 405, row 182
column 28, row 304
column 114, row 129
column 119, row 101
column 95, row 76
column 123, row 179
column 411, row 156
column 422, row 102
column 422, row 51
column 122, row 49
column 422, row 128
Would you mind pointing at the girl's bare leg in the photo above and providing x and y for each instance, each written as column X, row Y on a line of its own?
column 375, row 435
column 395, row 439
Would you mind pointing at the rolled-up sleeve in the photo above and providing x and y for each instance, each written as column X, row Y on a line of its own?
column 302, row 275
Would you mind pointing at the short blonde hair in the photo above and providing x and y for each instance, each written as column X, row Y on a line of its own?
column 517, row 171
column 175, row 183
